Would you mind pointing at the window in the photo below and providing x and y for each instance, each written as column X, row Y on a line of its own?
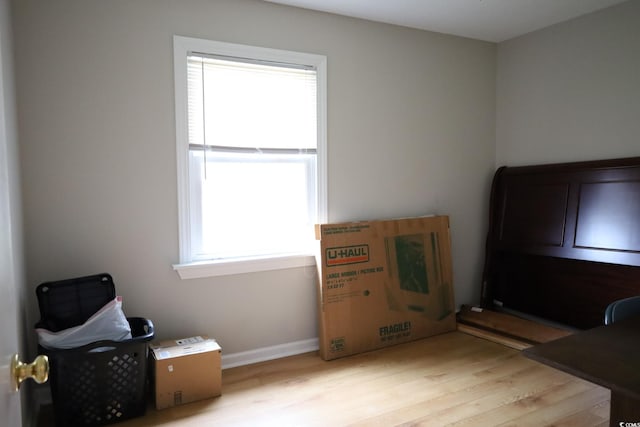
column 250, row 138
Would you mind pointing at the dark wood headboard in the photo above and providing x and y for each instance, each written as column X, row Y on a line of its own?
column 564, row 240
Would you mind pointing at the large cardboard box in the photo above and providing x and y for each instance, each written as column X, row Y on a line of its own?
column 383, row 283
column 185, row 370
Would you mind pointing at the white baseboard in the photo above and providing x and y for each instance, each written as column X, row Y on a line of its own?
column 269, row 353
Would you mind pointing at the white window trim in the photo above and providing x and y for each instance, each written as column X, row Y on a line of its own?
column 196, row 270
column 181, row 47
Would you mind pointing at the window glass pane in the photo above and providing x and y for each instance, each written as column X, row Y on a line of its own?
column 251, row 204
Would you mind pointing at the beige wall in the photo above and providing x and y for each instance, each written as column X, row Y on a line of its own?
column 411, row 118
column 571, row 91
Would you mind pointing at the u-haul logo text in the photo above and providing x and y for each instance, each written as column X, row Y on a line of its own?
column 347, row 255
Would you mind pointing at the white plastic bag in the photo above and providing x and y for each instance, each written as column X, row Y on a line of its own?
column 108, row 323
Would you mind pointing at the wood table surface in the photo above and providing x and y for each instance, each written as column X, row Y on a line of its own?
column 608, row 356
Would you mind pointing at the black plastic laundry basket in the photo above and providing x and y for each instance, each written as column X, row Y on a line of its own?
column 102, row 382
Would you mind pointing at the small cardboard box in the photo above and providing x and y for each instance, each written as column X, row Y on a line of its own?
column 185, row 370
column 383, row 283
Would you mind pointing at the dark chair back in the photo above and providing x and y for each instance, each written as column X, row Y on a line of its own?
column 622, row 309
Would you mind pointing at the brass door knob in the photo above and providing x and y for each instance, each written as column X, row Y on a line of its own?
column 38, row 370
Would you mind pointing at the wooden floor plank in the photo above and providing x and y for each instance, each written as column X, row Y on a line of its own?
column 493, row 336
column 540, row 407
column 450, row 379
column 456, row 407
column 509, row 326
column 596, row 416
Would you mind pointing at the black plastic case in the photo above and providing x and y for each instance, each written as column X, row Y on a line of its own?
column 71, row 302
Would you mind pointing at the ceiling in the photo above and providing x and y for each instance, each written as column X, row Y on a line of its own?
column 489, row 20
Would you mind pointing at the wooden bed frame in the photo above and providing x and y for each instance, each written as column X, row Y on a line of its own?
column 563, row 240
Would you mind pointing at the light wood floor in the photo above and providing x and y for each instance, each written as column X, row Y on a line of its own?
column 451, row 379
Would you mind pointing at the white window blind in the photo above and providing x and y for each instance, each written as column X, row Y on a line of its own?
column 250, row 104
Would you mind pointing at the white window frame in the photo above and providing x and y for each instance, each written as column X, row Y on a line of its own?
column 182, row 46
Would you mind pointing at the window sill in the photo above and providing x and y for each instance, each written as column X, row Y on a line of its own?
column 197, row 270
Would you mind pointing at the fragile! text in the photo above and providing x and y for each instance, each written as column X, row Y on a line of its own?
column 395, row 328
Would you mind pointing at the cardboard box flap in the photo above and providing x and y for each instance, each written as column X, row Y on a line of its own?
column 183, row 347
